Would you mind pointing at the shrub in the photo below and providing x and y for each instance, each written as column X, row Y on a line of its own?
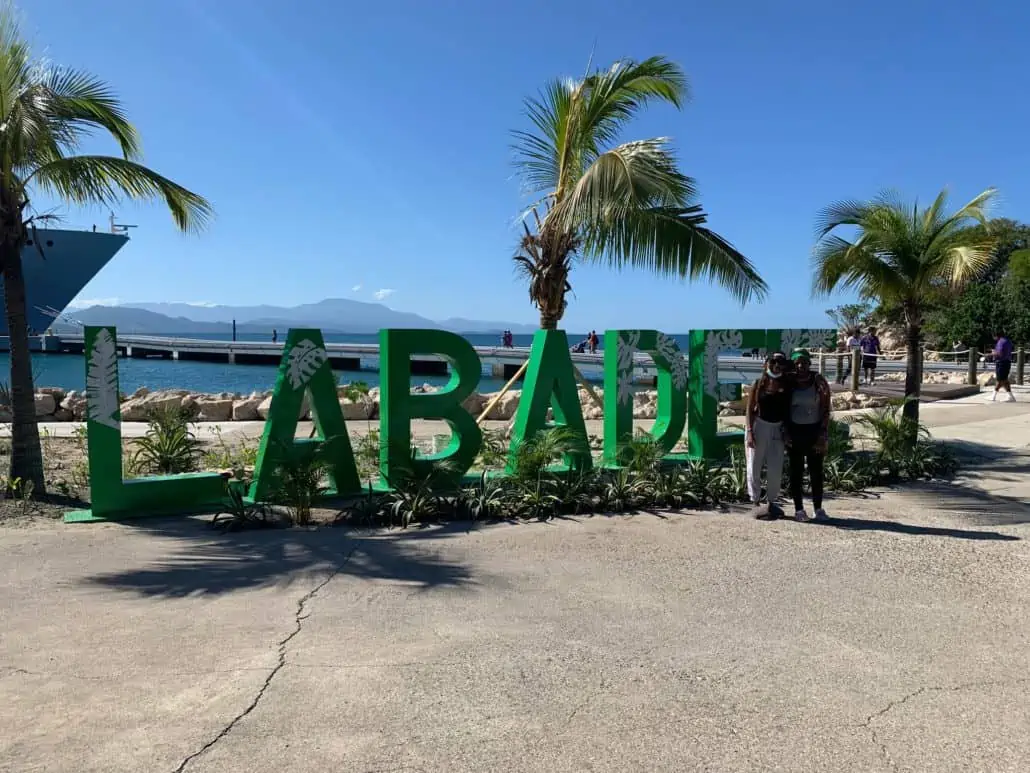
column 169, row 446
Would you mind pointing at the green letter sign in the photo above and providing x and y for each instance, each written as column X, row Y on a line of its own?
column 111, row 497
column 550, row 383
column 398, row 406
column 305, row 368
column 673, row 374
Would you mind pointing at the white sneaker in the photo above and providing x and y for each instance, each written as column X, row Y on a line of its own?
column 1012, row 398
column 994, row 397
column 800, row 515
column 820, row 514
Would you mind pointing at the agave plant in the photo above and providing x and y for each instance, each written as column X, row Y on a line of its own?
column 169, row 446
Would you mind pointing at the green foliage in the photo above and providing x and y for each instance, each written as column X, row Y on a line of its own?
column 620, row 204
column 903, row 448
column 301, row 479
column 366, row 454
column 169, row 446
column 901, row 256
column 229, row 456
column 973, row 313
column 545, row 449
column 493, row 452
column 417, row 493
column 354, row 390
column 238, row 514
column 540, row 488
column 488, row 498
column 851, row 316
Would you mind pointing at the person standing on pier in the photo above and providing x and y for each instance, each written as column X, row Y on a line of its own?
column 275, row 335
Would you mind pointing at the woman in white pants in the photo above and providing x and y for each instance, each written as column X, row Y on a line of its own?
column 768, row 407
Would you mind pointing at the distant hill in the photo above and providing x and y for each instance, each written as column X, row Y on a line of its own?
column 333, row 315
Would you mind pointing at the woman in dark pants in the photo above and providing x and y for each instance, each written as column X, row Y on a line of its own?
column 807, row 430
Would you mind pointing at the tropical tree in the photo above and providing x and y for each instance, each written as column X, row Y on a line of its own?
column 899, row 256
column 619, row 204
column 45, row 114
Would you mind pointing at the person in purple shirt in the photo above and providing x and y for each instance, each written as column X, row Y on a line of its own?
column 1002, row 365
column 870, row 350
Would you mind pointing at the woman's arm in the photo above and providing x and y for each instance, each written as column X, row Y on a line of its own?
column 749, row 413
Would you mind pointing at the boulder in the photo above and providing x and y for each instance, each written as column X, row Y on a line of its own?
column 986, row 380
column 246, row 408
column 505, row 408
column 56, row 392
column 45, row 405
column 75, row 403
column 474, row 404
column 62, row 414
column 141, row 392
column 213, row 407
column 645, row 404
column 265, row 404
column 360, row 409
column 141, row 408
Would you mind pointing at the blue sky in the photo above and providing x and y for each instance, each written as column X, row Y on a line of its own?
column 355, row 149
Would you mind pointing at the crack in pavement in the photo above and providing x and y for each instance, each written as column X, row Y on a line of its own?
column 868, row 723
column 298, row 618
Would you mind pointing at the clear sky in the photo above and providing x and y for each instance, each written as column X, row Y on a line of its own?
column 354, row 148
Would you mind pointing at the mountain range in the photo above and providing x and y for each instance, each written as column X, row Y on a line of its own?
column 333, row 315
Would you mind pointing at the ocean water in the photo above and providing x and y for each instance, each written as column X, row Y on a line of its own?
column 69, row 371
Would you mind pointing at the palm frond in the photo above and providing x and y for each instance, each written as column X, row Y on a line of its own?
column 107, row 179
column 81, row 102
column 673, row 241
column 842, row 213
column 616, row 95
column 630, row 177
column 842, row 265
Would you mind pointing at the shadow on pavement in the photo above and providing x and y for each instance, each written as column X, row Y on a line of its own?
column 205, row 562
column 862, row 524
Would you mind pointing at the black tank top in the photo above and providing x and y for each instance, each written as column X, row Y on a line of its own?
column 773, row 406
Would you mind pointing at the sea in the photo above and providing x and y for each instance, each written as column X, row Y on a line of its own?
column 68, row 371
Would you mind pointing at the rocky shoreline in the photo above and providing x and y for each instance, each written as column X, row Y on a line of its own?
column 55, row 404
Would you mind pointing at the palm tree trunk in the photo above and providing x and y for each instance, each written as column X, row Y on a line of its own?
column 549, row 320
column 26, row 455
column 913, row 368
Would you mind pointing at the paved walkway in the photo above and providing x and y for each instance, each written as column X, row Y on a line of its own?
column 892, row 639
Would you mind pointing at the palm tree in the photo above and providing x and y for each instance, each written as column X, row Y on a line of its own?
column 620, row 204
column 900, row 254
column 45, row 114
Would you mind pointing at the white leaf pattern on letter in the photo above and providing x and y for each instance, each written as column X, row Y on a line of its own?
column 304, row 359
column 718, row 341
column 102, row 381
column 792, row 339
column 677, row 362
column 625, row 350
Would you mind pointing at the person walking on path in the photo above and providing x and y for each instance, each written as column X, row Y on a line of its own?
column 850, row 345
column 807, row 433
column 1002, row 366
column 871, row 352
column 768, row 406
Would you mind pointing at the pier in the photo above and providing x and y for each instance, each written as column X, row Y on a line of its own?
column 498, row 362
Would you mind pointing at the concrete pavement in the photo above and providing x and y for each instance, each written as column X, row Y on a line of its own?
column 892, row 639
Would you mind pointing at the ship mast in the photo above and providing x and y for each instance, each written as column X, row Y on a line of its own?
column 120, row 228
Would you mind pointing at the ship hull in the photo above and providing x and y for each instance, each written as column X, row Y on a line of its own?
column 68, row 261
